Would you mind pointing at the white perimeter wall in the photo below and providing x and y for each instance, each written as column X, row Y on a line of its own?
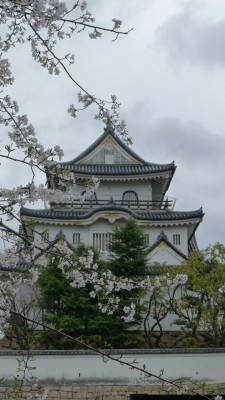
column 78, row 369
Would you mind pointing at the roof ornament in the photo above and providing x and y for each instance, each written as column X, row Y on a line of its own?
column 109, row 127
column 60, row 235
column 162, row 236
column 111, row 201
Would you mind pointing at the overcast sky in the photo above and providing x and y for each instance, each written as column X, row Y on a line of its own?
column 169, row 75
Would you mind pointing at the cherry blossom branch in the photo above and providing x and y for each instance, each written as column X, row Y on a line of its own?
column 59, row 61
column 87, row 99
column 98, row 27
column 15, row 233
column 48, row 15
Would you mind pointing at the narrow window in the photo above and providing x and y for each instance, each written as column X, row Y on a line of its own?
column 147, row 239
column 176, row 239
column 76, row 238
column 101, row 240
column 45, row 236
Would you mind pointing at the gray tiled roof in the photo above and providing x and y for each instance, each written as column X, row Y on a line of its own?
column 170, row 215
column 163, row 351
column 117, row 169
column 159, row 215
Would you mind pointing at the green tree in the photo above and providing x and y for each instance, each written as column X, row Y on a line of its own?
column 156, row 311
column 200, row 309
column 128, row 251
column 162, row 289
column 128, row 259
column 73, row 311
column 68, row 309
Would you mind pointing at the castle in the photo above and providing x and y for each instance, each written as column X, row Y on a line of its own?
column 130, row 187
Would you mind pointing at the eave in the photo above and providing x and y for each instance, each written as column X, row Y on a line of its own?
column 112, row 213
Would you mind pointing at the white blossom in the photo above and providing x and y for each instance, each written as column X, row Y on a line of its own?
column 95, row 34
column 117, row 23
column 218, row 397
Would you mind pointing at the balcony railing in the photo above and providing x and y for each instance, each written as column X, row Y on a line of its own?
column 167, row 204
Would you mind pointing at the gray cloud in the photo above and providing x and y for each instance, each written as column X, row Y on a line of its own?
column 170, row 138
column 186, row 39
column 200, row 158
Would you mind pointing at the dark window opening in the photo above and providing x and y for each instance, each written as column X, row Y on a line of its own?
column 91, row 199
column 130, row 197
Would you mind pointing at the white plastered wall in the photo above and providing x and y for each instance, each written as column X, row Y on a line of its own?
column 103, row 225
column 163, row 254
column 114, row 189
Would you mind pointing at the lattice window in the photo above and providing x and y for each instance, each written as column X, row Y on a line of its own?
column 101, row 240
column 176, row 239
column 116, row 157
column 99, row 158
column 119, row 159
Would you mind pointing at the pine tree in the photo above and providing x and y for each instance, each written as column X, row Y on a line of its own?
column 73, row 311
column 128, row 259
column 128, row 251
column 70, row 310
